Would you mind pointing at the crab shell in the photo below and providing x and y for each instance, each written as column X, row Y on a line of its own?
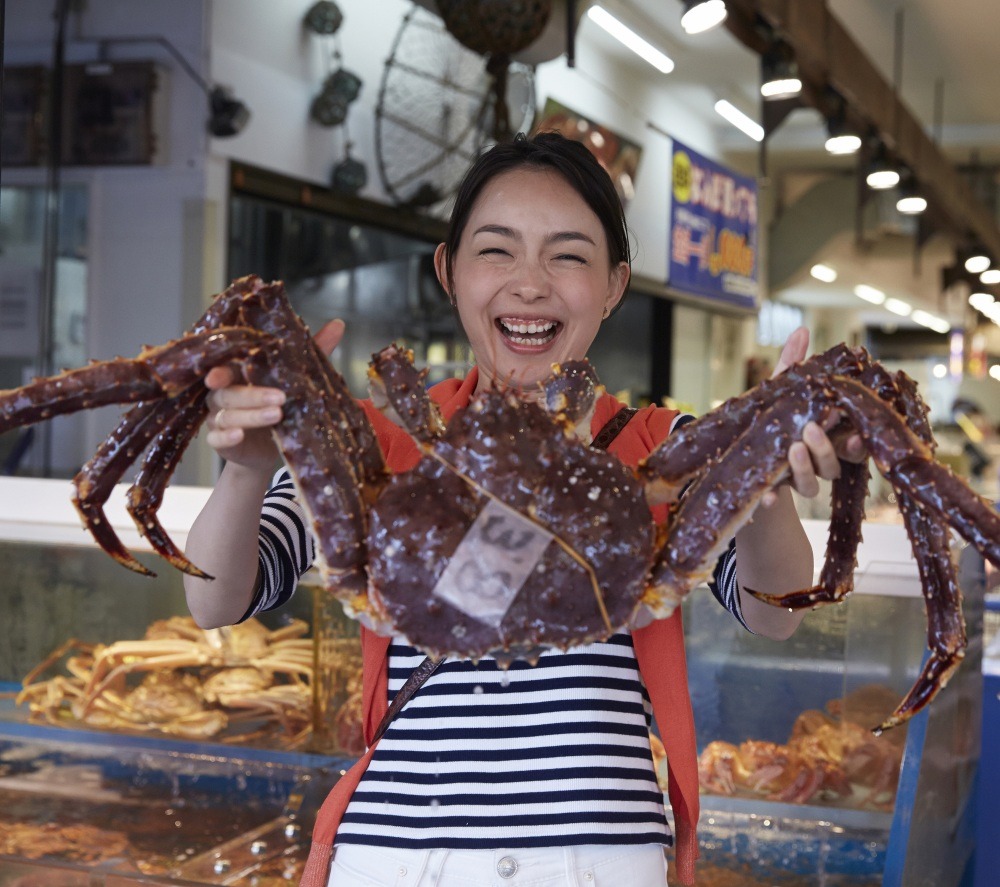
column 506, row 494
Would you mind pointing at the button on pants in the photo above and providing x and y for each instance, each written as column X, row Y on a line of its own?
column 587, row 866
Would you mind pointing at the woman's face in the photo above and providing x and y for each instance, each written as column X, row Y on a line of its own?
column 531, row 278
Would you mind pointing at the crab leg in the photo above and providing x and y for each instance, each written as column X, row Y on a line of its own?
column 146, row 493
column 155, row 373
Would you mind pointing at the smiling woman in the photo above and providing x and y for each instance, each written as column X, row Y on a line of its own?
column 536, row 257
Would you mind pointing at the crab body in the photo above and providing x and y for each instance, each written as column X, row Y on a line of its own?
column 510, row 534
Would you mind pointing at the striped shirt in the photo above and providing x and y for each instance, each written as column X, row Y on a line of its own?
column 552, row 755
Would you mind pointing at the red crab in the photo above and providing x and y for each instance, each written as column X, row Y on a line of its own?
column 510, row 535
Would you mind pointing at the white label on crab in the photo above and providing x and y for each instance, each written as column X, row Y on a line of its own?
column 492, row 562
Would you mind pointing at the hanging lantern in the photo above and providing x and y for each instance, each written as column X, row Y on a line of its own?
column 324, row 17
column 349, row 176
column 495, row 27
column 329, row 108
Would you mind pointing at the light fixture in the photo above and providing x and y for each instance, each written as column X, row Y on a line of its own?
column 629, row 38
column 911, row 202
column 882, row 174
column 869, row 294
column 898, row 306
column 740, row 120
column 990, row 276
column 982, row 301
column 824, row 273
column 703, row 15
column 779, row 72
column 840, row 140
column 976, row 260
column 931, row 321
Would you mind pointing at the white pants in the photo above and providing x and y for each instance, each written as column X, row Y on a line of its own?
column 587, row 866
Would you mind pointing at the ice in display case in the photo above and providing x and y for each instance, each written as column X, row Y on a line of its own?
column 807, row 795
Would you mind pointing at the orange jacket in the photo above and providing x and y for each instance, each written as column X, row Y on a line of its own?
column 659, row 650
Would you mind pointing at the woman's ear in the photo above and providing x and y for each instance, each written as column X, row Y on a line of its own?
column 617, row 285
column 441, row 269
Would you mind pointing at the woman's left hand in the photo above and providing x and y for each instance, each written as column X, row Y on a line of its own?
column 815, row 456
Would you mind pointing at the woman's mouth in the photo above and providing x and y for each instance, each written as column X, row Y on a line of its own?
column 528, row 332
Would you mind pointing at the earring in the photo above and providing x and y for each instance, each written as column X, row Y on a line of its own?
column 606, row 314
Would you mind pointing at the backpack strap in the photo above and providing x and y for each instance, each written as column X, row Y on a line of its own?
column 612, row 427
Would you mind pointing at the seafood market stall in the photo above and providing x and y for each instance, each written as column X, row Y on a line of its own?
column 106, row 777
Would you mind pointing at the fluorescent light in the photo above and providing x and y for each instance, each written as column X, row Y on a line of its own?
column 700, row 17
column 845, row 144
column 990, row 276
column 629, row 38
column 931, row 321
column 981, row 301
column 824, row 273
column 995, row 371
column 869, row 294
column 977, row 263
column 781, row 89
column 898, row 306
column 911, row 205
column 740, row 120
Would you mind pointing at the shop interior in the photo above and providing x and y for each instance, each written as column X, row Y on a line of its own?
column 151, row 153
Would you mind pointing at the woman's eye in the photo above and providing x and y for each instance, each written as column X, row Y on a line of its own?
column 493, row 251
column 570, row 257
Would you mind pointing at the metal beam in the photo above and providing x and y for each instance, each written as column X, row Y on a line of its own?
column 828, row 56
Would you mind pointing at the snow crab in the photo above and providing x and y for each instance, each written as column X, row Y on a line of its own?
column 509, row 535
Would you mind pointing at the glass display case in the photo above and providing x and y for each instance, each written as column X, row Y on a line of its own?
column 795, row 788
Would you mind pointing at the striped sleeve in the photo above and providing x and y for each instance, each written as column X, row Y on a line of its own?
column 723, row 583
column 286, row 547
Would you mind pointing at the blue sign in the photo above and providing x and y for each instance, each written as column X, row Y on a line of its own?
column 713, row 248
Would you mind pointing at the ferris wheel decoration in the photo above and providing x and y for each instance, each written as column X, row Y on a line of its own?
column 443, row 99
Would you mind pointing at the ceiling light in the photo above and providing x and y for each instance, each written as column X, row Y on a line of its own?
column 840, row 139
column 740, row 120
column 931, row 321
column 911, row 205
column 629, row 38
column 882, row 173
column 702, row 15
column 824, row 273
column 940, row 371
column 990, row 276
column 898, row 306
column 981, row 301
column 976, row 260
column 779, row 72
column 869, row 294
column 843, row 144
column 995, row 371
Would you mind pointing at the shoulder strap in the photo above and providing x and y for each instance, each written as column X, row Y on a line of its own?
column 602, row 440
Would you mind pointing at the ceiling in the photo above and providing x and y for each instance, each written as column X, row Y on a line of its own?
column 945, row 54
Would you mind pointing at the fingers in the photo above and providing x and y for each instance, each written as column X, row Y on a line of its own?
column 238, row 408
column 812, row 458
column 795, row 350
column 330, row 335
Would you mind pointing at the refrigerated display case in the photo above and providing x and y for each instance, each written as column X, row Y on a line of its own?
column 845, row 808
column 899, row 816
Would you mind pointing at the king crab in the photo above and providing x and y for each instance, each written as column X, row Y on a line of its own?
column 509, row 535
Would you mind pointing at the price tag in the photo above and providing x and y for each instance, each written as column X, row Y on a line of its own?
column 492, row 562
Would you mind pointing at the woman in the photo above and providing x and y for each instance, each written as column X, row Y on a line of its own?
column 544, row 774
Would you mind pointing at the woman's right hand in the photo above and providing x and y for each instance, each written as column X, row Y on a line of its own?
column 241, row 416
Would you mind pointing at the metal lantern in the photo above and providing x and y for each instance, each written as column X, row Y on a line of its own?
column 324, row 17
column 495, row 27
column 349, row 176
column 329, row 108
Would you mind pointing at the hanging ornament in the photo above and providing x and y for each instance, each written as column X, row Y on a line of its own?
column 329, row 108
column 324, row 17
column 349, row 176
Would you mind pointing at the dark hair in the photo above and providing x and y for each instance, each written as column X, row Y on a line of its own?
column 546, row 150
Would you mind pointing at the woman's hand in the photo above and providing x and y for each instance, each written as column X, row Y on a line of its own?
column 815, row 456
column 241, row 416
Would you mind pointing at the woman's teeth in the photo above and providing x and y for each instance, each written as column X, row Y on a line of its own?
column 541, row 331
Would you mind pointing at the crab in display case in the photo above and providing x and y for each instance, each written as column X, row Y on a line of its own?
column 431, row 553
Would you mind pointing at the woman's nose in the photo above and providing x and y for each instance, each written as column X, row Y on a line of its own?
column 531, row 282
